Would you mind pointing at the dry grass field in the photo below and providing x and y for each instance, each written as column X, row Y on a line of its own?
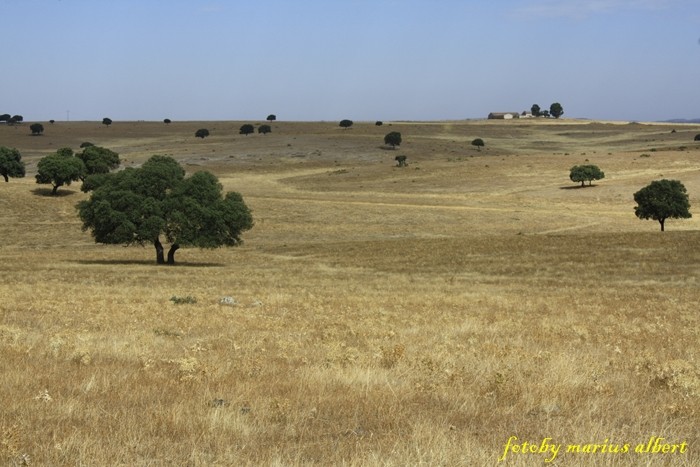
column 384, row 316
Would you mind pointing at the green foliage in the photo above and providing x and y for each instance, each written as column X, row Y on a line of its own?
column 264, row 129
column 586, row 173
column 379, row 123
column 167, row 121
column 271, row 118
column 393, row 139
column 11, row 164
column 661, row 200
column 536, row 111
column 36, row 128
column 697, row 137
column 183, row 300
column 345, row 123
column 246, row 129
column 98, row 160
column 201, row 133
column 138, row 205
column 107, row 121
column 85, row 144
column 556, row 110
column 60, row 168
column 5, row 117
column 479, row 143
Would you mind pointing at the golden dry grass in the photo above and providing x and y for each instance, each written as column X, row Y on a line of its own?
column 384, row 316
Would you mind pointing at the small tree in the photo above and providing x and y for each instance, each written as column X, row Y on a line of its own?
column 17, row 118
column 345, row 124
column 246, row 129
column 11, row 164
column 697, row 137
column 401, row 161
column 37, row 129
column 60, row 168
column 5, row 118
column 393, row 139
column 264, row 129
column 379, row 123
column 201, row 133
column 479, row 143
column 98, row 160
column 106, row 121
column 556, row 110
column 142, row 205
column 167, row 121
column 586, row 173
column 661, row 200
column 52, row 121
column 85, row 144
column 271, row 118
column 535, row 109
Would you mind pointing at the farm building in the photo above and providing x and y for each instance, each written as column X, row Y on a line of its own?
column 504, row 115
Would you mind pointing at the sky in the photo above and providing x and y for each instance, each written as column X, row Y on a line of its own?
column 364, row 60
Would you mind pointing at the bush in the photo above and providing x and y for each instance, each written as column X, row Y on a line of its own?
column 697, row 137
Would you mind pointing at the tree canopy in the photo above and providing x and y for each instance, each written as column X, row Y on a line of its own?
column 536, row 111
column 36, row 128
column 60, row 168
column 556, row 110
column 264, row 129
column 107, row 121
column 345, row 123
column 271, row 118
column 661, row 200
column 167, row 120
column 479, row 143
column 98, row 160
column 141, row 205
column 586, row 173
column 201, row 133
column 11, row 164
column 393, row 139
column 246, row 129
column 697, row 137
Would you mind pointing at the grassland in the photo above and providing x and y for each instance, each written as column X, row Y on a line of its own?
column 384, row 316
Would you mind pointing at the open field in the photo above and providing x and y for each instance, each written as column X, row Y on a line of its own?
column 386, row 316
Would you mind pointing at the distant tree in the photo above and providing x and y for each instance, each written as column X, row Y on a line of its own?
column 5, row 117
column 11, row 164
column 60, row 168
column 379, row 123
column 18, row 118
column 535, row 109
column 37, row 128
column 661, row 200
column 697, row 137
column 52, row 121
column 167, row 120
column 544, row 113
column 479, row 143
column 264, row 129
column 586, row 173
column 86, row 144
column 401, row 161
column 201, row 133
column 98, row 160
column 271, row 118
column 556, row 110
column 393, row 139
column 142, row 205
column 107, row 121
column 246, row 129
column 345, row 124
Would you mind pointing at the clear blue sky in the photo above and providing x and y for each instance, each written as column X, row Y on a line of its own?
column 356, row 59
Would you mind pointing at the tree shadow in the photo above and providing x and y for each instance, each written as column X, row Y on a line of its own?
column 576, row 187
column 48, row 192
column 143, row 262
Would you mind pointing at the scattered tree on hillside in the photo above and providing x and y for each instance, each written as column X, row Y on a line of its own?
column 246, row 129
column 98, row 160
column 11, row 164
column 379, row 123
column 36, row 128
column 60, row 168
column 264, row 129
column 167, row 121
column 536, row 111
column 661, row 200
column 479, row 143
column 86, row 144
column 401, row 161
column 141, row 205
column 586, row 173
column 556, row 110
column 345, row 124
column 106, row 121
column 17, row 118
column 697, row 137
column 393, row 139
column 271, row 118
column 52, row 121
column 201, row 133
column 5, row 117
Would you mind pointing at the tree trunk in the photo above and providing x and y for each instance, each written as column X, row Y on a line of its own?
column 160, row 257
column 661, row 221
column 171, row 253
column 6, row 177
column 55, row 189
